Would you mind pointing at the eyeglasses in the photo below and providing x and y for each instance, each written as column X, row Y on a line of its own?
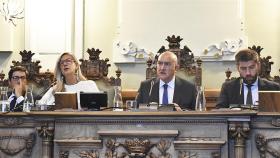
column 18, row 78
column 66, row 61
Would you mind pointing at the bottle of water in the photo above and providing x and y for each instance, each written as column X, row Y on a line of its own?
column 200, row 104
column 4, row 102
column 118, row 103
column 28, row 100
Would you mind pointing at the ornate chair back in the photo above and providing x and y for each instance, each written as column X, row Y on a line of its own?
column 265, row 66
column 41, row 81
column 97, row 69
column 187, row 67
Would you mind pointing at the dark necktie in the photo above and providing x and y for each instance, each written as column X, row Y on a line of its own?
column 13, row 103
column 165, row 95
column 249, row 100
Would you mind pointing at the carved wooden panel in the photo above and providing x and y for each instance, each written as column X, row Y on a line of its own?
column 40, row 80
column 97, row 69
column 185, row 60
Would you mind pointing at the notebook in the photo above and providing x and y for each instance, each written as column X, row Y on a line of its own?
column 93, row 100
column 269, row 101
column 65, row 100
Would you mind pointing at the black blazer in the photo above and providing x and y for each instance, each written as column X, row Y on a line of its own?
column 184, row 93
column 230, row 92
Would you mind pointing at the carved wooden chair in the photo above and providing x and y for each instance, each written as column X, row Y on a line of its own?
column 41, row 81
column 265, row 66
column 187, row 67
column 97, row 69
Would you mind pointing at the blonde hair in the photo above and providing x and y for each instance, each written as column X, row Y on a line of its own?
column 60, row 81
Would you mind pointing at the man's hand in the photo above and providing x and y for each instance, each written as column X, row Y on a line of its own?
column 19, row 88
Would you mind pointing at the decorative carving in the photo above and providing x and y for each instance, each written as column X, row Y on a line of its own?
column 163, row 146
column 239, row 132
column 3, row 82
column 263, row 146
column 187, row 154
column 138, row 148
column 96, row 68
column 88, row 154
column 12, row 145
column 276, row 122
column 46, row 132
column 40, row 81
column 154, row 121
column 63, row 154
column 12, row 121
column 216, row 154
column 185, row 59
column 111, row 148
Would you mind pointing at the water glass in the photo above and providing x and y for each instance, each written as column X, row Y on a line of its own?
column 4, row 102
column 131, row 104
column 28, row 100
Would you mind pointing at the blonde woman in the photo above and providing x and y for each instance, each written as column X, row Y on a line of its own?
column 69, row 79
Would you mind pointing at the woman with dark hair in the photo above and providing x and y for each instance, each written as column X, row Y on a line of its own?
column 69, row 78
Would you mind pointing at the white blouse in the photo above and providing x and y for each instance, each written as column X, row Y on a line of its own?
column 82, row 86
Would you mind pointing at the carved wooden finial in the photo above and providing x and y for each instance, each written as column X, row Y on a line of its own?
column 228, row 74
column 258, row 49
column 93, row 53
column 174, row 42
column 26, row 56
column 2, row 76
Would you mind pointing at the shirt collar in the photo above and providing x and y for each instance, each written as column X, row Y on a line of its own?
column 170, row 83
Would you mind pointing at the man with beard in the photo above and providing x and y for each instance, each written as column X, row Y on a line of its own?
column 244, row 90
column 166, row 88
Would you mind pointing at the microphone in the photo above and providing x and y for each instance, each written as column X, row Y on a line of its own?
column 241, row 83
column 150, row 91
column 39, row 95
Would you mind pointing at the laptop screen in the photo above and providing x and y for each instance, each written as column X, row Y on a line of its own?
column 93, row 100
column 269, row 101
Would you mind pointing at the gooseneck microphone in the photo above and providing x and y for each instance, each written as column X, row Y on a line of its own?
column 150, row 91
column 241, row 83
column 42, row 92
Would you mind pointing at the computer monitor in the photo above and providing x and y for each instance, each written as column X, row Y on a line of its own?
column 93, row 100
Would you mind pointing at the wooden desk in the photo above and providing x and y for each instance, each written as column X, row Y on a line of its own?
column 209, row 134
column 211, row 96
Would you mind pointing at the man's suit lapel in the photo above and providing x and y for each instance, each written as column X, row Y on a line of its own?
column 240, row 97
column 176, row 90
column 155, row 92
column 261, row 84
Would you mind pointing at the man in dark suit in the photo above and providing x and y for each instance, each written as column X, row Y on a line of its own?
column 17, row 81
column 166, row 88
column 244, row 90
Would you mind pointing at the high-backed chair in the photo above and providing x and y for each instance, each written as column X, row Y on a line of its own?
column 187, row 67
column 265, row 66
column 97, row 69
column 41, row 81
